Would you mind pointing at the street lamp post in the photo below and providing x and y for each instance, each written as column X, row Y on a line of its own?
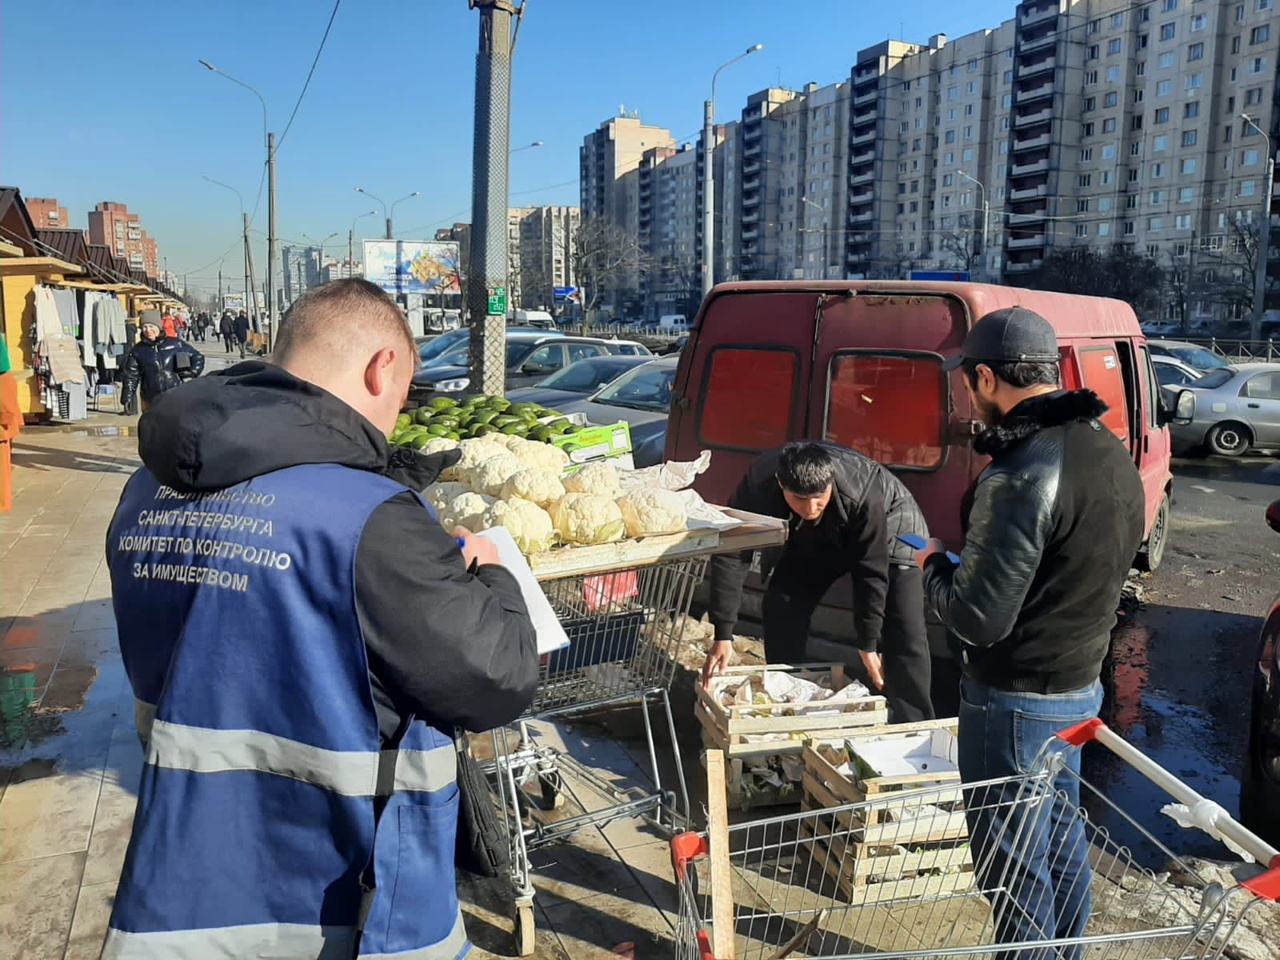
column 822, row 210
column 1264, row 237
column 351, row 241
column 388, row 214
column 273, row 239
column 708, row 180
column 986, row 216
column 528, row 146
column 250, row 287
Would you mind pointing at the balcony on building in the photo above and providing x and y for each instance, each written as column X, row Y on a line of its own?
column 1035, row 93
column 750, row 167
column 1031, row 45
column 752, row 149
column 1027, row 242
column 1023, row 142
column 1029, row 192
column 1030, row 166
column 866, row 156
column 865, row 176
column 863, row 196
column 1028, row 119
column 858, row 139
column 1038, row 13
column 1028, row 216
column 864, row 116
column 862, row 99
column 750, row 216
column 753, row 132
column 751, row 183
column 750, row 233
column 1030, row 68
column 1022, row 266
column 861, row 218
column 750, row 198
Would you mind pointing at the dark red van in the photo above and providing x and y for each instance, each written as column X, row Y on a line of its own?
column 860, row 363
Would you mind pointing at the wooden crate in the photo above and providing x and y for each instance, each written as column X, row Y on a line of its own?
column 825, row 786
column 727, row 729
column 872, row 855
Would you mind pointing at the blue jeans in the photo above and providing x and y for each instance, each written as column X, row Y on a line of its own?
column 1030, row 852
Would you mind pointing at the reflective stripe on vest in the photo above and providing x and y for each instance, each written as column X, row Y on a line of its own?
column 352, row 774
column 280, row 941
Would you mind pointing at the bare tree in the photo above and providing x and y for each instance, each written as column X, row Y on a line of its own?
column 607, row 261
column 1120, row 272
column 961, row 245
column 1181, row 283
column 1229, row 265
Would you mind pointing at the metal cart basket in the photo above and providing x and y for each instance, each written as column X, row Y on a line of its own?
column 623, row 608
column 897, row 877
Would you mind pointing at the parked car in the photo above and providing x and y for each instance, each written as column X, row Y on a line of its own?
column 432, row 349
column 641, row 397
column 860, row 362
column 1234, row 409
column 675, row 346
column 531, row 357
column 1174, row 373
column 540, row 319
column 577, row 380
column 1192, row 354
column 1160, row 328
column 1260, row 782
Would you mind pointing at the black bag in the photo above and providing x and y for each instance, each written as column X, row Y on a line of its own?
column 182, row 362
column 483, row 848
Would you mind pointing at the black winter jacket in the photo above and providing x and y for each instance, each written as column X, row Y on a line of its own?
column 158, row 366
column 869, row 509
column 445, row 644
column 1055, row 522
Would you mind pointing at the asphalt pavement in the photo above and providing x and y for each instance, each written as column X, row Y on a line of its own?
column 1179, row 683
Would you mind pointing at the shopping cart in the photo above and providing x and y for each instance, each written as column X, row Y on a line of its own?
column 897, row 876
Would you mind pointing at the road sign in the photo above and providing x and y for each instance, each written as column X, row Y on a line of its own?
column 562, row 294
column 497, row 301
column 959, row 276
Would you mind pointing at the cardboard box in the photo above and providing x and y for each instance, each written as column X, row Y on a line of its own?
column 596, row 443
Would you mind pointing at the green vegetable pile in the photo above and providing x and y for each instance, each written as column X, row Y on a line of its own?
column 478, row 416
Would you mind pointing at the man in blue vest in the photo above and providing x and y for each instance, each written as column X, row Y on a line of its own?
column 302, row 638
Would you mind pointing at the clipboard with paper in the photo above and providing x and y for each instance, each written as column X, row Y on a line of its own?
column 550, row 633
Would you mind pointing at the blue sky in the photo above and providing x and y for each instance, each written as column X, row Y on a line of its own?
column 106, row 100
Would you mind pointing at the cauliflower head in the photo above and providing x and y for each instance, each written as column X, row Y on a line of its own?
column 529, row 525
column 541, row 456
column 586, row 518
column 651, row 511
column 440, row 445
column 537, row 486
column 466, row 510
column 598, row 478
column 474, row 452
column 491, row 475
column 440, row 493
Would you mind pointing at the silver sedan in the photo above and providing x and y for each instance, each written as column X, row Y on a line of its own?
column 1236, row 408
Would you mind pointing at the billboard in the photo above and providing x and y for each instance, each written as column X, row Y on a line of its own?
column 411, row 266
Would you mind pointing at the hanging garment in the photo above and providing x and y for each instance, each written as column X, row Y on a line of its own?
column 62, row 354
column 68, row 312
column 48, row 324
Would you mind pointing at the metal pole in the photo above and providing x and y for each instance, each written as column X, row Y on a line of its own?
column 1264, row 251
column 351, row 250
column 273, row 239
column 253, row 280
column 491, row 148
column 388, row 228
column 708, row 197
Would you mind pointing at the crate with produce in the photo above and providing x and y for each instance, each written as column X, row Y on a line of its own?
column 761, row 716
column 910, row 835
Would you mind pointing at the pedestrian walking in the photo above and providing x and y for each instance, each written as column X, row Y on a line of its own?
column 300, row 671
column 156, row 364
column 845, row 513
column 169, row 325
column 1055, row 521
column 227, row 330
column 242, row 331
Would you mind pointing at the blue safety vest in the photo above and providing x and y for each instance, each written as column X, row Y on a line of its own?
column 267, row 803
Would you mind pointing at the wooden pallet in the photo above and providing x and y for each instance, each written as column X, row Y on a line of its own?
column 728, row 728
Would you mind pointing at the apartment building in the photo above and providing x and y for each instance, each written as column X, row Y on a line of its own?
column 112, row 225
column 47, row 213
column 607, row 155
column 764, row 181
column 542, row 254
column 669, row 199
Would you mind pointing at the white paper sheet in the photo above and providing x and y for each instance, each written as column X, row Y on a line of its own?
column 546, row 624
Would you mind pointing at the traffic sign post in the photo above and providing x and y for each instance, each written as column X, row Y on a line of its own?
column 497, row 302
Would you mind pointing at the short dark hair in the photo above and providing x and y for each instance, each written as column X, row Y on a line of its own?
column 351, row 304
column 1017, row 374
column 806, row 469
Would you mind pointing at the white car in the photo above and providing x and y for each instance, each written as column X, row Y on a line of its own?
column 1172, row 372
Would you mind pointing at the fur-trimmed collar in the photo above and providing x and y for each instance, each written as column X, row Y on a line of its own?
column 1033, row 415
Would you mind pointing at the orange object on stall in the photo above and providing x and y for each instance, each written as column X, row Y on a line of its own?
column 10, row 424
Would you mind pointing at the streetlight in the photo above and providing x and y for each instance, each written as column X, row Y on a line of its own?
column 528, row 146
column 250, row 286
column 708, row 185
column 351, row 242
column 985, row 214
column 272, row 237
column 320, row 245
column 385, row 214
column 1264, row 237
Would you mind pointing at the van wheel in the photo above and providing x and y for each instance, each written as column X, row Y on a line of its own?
column 1151, row 554
column 1229, row 439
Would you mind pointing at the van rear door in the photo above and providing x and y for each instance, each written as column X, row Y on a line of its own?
column 743, row 383
column 878, row 387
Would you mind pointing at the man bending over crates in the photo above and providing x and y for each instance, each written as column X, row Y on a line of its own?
column 846, row 513
column 1055, row 521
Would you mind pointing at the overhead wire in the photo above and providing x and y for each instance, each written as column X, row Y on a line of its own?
column 310, row 73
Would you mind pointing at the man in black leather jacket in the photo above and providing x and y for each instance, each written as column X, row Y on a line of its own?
column 157, row 364
column 846, row 512
column 1055, row 522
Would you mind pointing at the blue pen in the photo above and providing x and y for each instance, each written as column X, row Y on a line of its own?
column 917, row 542
column 460, row 541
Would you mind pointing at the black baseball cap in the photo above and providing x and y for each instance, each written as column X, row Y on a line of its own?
column 1009, row 335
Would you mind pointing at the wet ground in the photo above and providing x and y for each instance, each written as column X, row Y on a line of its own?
column 1180, row 682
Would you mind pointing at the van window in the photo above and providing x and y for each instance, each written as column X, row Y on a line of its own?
column 892, row 408
column 1100, row 370
column 1153, row 384
column 747, row 398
